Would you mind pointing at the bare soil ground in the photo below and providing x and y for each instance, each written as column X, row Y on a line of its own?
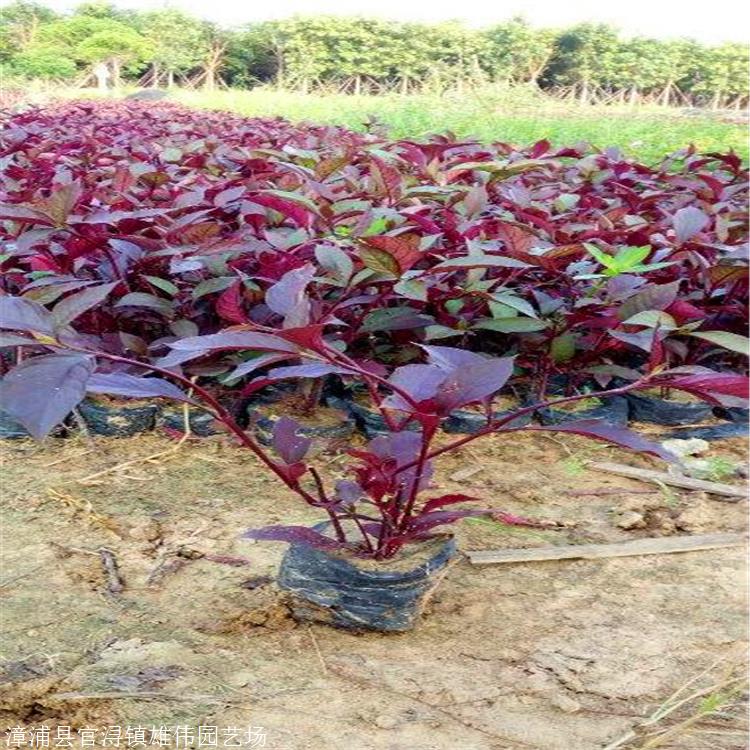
column 546, row 656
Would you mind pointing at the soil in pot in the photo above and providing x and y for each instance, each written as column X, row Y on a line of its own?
column 676, row 408
column 201, row 422
column 386, row 596
column 118, row 418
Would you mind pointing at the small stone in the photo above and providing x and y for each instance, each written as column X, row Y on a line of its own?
column 684, row 448
column 696, row 519
column 241, row 678
column 630, row 519
column 565, row 703
column 385, row 722
column 146, row 530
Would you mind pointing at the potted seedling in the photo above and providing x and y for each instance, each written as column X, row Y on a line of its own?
column 379, row 552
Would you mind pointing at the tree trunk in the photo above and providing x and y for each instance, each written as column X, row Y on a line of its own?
column 170, row 79
column 404, row 85
column 665, row 95
column 583, row 97
column 716, row 101
column 633, row 98
column 154, row 75
column 116, row 75
column 357, row 85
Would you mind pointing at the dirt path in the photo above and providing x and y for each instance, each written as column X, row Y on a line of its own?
column 542, row 656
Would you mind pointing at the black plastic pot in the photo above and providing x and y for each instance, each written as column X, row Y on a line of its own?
column 719, row 432
column 665, row 412
column 263, row 429
column 469, row 422
column 201, row 422
column 117, row 421
column 328, row 589
column 612, row 410
column 10, row 429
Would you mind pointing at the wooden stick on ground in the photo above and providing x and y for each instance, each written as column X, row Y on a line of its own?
column 652, row 546
column 675, row 480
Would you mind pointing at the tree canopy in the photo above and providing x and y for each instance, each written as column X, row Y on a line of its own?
column 362, row 54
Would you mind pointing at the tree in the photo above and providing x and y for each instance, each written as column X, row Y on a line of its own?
column 518, row 52
column 584, row 58
column 90, row 39
column 44, row 62
column 719, row 73
column 19, row 26
column 176, row 42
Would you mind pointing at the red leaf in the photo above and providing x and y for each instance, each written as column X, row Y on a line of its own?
column 229, row 304
column 404, row 249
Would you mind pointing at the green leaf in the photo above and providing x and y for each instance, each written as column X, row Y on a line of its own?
column 379, row 261
column 335, row 261
column 604, row 258
column 171, row 155
column 209, row 286
column 732, row 341
column 563, row 347
column 627, row 257
column 652, row 319
column 512, row 325
column 164, row 285
column 515, row 302
column 440, row 332
column 395, row 319
column 140, row 299
column 412, row 289
column 482, row 261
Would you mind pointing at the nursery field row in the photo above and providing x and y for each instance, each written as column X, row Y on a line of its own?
column 161, row 222
column 156, row 252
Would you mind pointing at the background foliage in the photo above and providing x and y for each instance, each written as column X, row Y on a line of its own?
column 361, row 55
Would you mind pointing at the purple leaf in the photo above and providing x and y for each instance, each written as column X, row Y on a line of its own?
column 41, row 391
column 69, row 308
column 263, row 342
column 450, row 358
column 651, row 297
column 245, row 368
column 294, row 535
column 311, row 370
column 19, row 314
column 287, row 443
column 468, row 385
column 600, row 430
column 122, row 384
column 287, row 296
column 348, row 491
column 421, row 382
column 11, row 339
column 687, row 222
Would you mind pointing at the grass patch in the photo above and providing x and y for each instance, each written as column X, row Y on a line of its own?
column 646, row 133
